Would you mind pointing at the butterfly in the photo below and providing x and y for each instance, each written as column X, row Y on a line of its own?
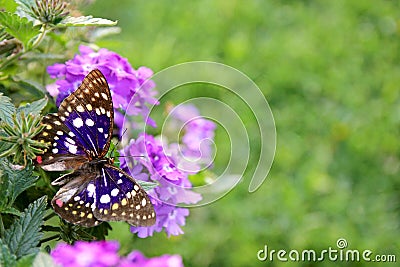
column 79, row 137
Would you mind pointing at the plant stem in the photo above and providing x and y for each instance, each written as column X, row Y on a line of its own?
column 47, row 239
column 2, row 230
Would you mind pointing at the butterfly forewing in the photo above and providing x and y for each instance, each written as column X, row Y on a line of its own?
column 64, row 151
column 88, row 113
column 120, row 198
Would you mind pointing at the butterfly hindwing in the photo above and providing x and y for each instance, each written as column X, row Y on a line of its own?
column 88, row 113
column 120, row 198
column 75, row 201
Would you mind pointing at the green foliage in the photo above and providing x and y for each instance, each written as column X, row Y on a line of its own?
column 33, row 108
column 6, row 258
column 6, row 109
column 85, row 21
column 20, row 28
column 70, row 233
column 13, row 183
column 23, row 237
column 18, row 135
column 30, row 25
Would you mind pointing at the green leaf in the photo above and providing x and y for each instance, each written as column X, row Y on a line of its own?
column 4, row 146
column 85, row 21
column 6, row 258
column 25, row 261
column 147, row 185
column 24, row 8
column 33, row 108
column 6, row 109
column 43, row 260
column 24, row 234
column 11, row 210
column 20, row 28
column 31, row 88
column 13, row 182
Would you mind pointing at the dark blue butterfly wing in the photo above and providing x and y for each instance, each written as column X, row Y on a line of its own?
column 83, row 126
column 120, row 198
column 65, row 152
column 89, row 115
column 75, row 201
column 88, row 197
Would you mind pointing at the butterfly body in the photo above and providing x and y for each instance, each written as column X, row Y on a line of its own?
column 79, row 136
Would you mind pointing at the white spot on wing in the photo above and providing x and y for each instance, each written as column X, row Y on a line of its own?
column 114, row 192
column 70, row 140
column 89, row 122
column 91, row 189
column 104, row 96
column 105, row 199
column 77, row 122
column 80, row 108
column 72, row 149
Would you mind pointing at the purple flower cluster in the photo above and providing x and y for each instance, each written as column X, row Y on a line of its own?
column 129, row 88
column 105, row 254
column 198, row 137
column 174, row 185
column 168, row 165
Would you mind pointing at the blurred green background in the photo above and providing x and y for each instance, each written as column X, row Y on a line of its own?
column 330, row 72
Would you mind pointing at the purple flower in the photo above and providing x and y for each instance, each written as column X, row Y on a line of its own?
column 105, row 254
column 174, row 185
column 137, row 259
column 197, row 141
column 130, row 91
column 87, row 254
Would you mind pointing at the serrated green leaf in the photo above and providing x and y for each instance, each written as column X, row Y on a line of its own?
column 6, row 109
column 24, row 234
column 6, row 258
column 20, row 28
column 85, row 21
column 14, row 182
column 24, row 8
column 11, row 210
column 33, row 108
column 43, row 260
